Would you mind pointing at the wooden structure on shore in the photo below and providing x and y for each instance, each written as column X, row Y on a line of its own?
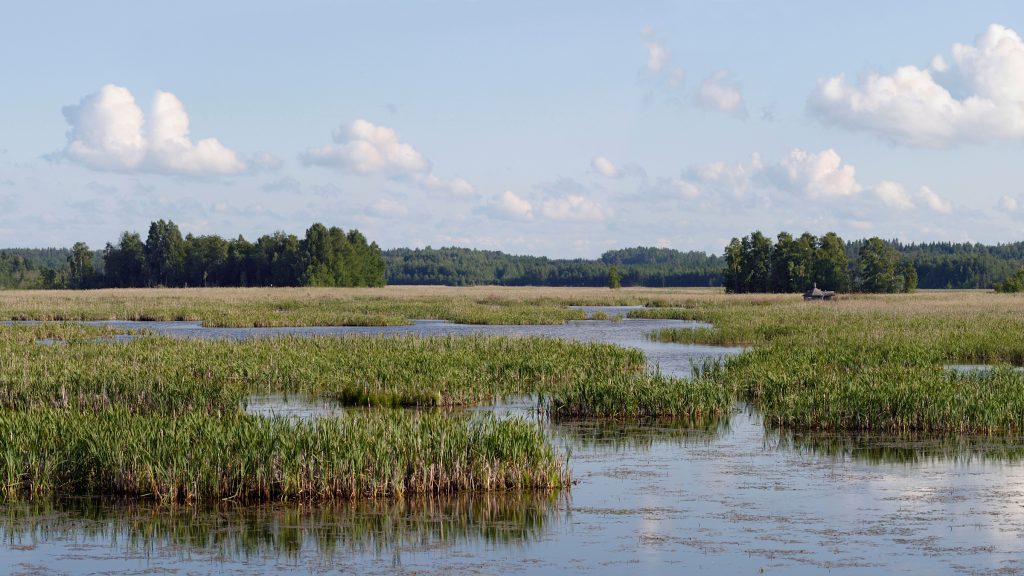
column 818, row 294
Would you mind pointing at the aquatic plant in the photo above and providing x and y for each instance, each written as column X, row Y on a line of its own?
column 197, row 457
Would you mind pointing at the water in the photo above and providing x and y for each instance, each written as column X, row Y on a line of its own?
column 726, row 497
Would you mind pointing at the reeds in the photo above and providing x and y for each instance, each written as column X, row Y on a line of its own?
column 201, row 458
column 88, row 371
column 692, row 400
column 872, row 363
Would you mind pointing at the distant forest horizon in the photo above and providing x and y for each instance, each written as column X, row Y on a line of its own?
column 938, row 265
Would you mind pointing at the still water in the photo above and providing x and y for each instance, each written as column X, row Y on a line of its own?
column 727, row 498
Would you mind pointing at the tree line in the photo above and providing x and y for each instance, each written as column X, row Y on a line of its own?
column 757, row 264
column 281, row 260
column 323, row 257
column 654, row 267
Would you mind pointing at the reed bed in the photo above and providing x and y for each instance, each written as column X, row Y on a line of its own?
column 700, row 398
column 161, row 418
column 256, row 459
column 266, row 307
column 871, row 363
column 85, row 370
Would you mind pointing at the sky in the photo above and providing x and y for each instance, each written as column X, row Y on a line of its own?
column 561, row 129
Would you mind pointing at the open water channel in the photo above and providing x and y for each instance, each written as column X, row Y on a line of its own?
column 729, row 498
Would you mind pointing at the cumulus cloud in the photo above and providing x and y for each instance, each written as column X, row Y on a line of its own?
column 604, row 167
column 934, row 201
column 108, row 131
column 511, row 205
column 719, row 93
column 818, row 175
column 574, row 207
column 894, row 195
column 976, row 96
column 366, row 148
column 720, row 178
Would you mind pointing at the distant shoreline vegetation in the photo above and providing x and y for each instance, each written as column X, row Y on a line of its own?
column 323, row 257
column 345, row 259
column 755, row 264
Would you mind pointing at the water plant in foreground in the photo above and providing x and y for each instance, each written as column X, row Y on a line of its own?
column 201, row 458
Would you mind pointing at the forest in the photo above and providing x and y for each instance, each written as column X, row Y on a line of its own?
column 652, row 267
column 331, row 257
column 757, row 264
column 323, row 257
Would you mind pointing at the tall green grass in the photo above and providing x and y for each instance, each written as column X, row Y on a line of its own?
column 692, row 400
column 172, row 376
column 201, row 458
column 871, row 363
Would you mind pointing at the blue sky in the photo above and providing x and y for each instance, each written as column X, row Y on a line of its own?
column 553, row 128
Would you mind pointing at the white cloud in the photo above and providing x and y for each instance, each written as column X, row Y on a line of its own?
column 934, row 201
column 720, row 178
column 657, row 53
column 1008, row 203
column 686, row 189
column 512, row 205
column 106, row 130
column 918, row 107
column 894, row 195
column 109, row 132
column 604, row 167
column 461, row 187
column 819, row 175
column 718, row 92
column 457, row 186
column 366, row 148
column 574, row 207
column 171, row 149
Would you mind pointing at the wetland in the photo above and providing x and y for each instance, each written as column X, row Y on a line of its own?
column 653, row 430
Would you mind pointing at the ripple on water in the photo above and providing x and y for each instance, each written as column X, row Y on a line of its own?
column 717, row 497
